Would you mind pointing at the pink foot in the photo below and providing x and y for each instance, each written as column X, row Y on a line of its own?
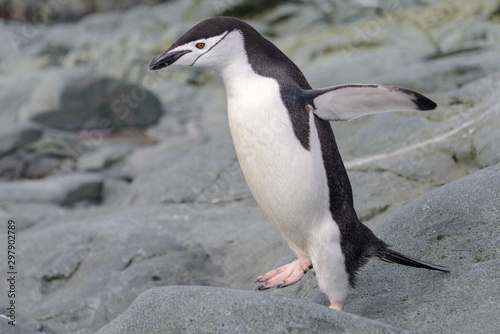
column 286, row 275
column 339, row 306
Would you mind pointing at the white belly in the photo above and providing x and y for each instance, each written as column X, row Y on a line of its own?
column 288, row 182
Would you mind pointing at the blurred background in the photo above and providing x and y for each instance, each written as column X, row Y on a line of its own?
column 77, row 70
column 102, row 160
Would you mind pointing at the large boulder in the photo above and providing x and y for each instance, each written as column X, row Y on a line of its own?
column 75, row 100
column 456, row 225
column 85, row 265
column 79, row 274
column 182, row 309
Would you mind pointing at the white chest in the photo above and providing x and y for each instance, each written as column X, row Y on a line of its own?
column 288, row 181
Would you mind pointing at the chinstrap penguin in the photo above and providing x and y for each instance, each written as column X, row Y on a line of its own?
column 287, row 150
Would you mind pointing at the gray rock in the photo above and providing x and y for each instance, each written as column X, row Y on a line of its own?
column 378, row 193
column 18, row 135
column 390, row 167
column 27, row 163
column 32, row 11
column 74, row 100
column 54, row 151
column 14, row 93
column 12, row 166
column 115, row 190
column 216, row 310
column 28, row 215
column 80, row 274
column 71, row 253
column 200, row 175
column 237, row 236
column 24, row 324
column 455, row 225
column 385, row 132
column 486, row 139
column 147, row 156
column 42, row 164
column 487, row 143
column 106, row 256
column 59, row 189
column 103, row 157
column 195, row 100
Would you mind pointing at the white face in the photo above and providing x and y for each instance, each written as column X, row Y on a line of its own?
column 216, row 52
column 196, row 51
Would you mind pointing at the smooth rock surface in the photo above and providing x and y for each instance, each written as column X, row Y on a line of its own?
column 81, row 274
column 458, row 226
column 216, row 310
column 199, row 175
column 95, row 263
column 27, row 216
column 144, row 157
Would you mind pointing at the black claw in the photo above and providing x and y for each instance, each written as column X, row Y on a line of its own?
column 260, row 287
column 259, row 279
column 280, row 285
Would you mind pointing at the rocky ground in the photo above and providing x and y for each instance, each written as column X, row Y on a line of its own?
column 132, row 214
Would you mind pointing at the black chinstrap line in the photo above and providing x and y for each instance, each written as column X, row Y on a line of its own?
column 213, row 46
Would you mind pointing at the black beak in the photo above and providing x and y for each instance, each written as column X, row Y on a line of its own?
column 165, row 59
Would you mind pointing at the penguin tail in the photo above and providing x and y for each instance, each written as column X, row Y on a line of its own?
column 391, row 256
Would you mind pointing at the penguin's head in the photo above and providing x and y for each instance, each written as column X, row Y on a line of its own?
column 212, row 43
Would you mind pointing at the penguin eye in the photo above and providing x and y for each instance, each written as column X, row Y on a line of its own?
column 200, row 45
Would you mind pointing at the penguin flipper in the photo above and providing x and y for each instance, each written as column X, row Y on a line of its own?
column 347, row 102
column 391, row 256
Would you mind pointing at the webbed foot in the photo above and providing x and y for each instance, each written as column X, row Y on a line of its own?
column 285, row 275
